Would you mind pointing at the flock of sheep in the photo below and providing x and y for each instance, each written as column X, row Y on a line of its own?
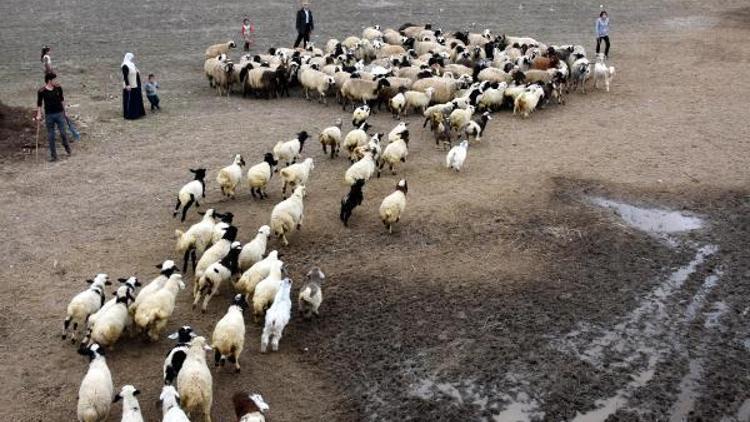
column 455, row 80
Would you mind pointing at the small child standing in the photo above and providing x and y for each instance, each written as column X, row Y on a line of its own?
column 248, row 34
column 151, row 88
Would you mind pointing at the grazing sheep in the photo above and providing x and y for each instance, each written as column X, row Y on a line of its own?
column 460, row 118
column 312, row 79
column 249, row 407
column 217, row 273
column 228, row 338
column 85, row 304
column 253, row 250
column 259, row 271
column 602, row 72
column 216, row 252
column 154, row 311
column 106, row 327
column 288, row 214
column 311, row 293
column 166, row 269
column 475, row 128
column 196, row 239
column 296, row 174
column 218, row 49
column 352, row 199
column 96, row 391
column 229, row 177
column 361, row 90
column 259, row 175
column 360, row 115
column 194, row 382
column 393, row 206
column 131, row 410
column 170, row 405
column 331, row 137
column 176, row 356
column 289, row 151
column 190, row 193
column 355, row 138
column 362, row 169
column 528, row 100
column 457, row 155
column 277, row 317
column 395, row 152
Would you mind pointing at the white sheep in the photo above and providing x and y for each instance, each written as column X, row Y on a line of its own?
column 373, row 145
column 460, row 117
column 85, row 304
column 216, row 252
column 170, row 405
column 230, row 176
column 397, row 104
column 218, row 49
column 296, row 175
column 362, row 169
column 254, row 250
column 259, row 175
column 154, row 311
column 131, row 410
column 445, row 88
column 289, row 151
column 253, row 275
column 106, row 327
column 311, row 293
column 312, row 79
column 417, row 100
column 528, row 100
column 331, row 137
column 395, row 152
column 194, row 382
column 393, row 206
column 372, row 33
column 176, row 356
column 288, row 215
column 277, row 317
column 362, row 90
column 207, row 286
column 191, row 192
column 266, row 289
column 350, row 42
column 493, row 75
column 166, row 269
column 360, row 115
column 196, row 239
column 602, row 72
column 96, row 391
column 355, row 138
column 228, row 338
column 492, row 97
column 456, row 156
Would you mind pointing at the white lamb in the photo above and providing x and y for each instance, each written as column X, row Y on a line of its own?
column 131, row 410
column 154, row 311
column 393, row 206
column 109, row 324
column 288, row 215
column 84, row 304
column 207, row 286
column 167, row 268
column 395, row 152
column 296, row 175
column 259, row 175
column 277, row 317
column 253, row 275
column 528, row 100
column 456, row 156
column 266, row 289
column 170, row 405
column 194, row 382
column 254, row 250
column 96, row 391
column 228, row 338
column 602, row 72
column 289, row 151
column 331, row 137
column 230, row 176
column 362, row 169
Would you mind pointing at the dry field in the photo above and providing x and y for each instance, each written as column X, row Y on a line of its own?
column 506, row 293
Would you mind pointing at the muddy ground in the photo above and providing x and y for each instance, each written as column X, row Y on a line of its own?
column 503, row 294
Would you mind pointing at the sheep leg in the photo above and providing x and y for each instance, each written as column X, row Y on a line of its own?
column 275, row 342
column 284, row 241
column 333, row 151
column 235, row 359
column 66, row 324
column 185, row 208
column 252, row 192
column 325, row 150
column 390, row 166
column 217, row 357
column 206, row 299
column 264, row 340
column 283, row 189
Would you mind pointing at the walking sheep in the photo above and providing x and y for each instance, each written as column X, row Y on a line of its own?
column 217, row 273
column 277, row 317
column 153, row 313
column 170, row 405
column 254, row 250
column 229, row 177
column 218, row 49
column 191, row 192
column 176, row 356
column 288, row 215
column 260, row 270
column 131, row 410
column 289, row 151
column 353, row 199
column 296, row 175
column 331, row 137
column 259, row 175
column 228, row 338
column 84, row 304
column 456, row 156
column 393, row 206
column 96, row 391
column 194, row 382
column 311, row 293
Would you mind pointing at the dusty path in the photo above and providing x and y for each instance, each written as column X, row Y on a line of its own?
column 497, row 281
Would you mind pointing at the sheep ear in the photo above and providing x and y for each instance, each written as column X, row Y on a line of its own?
column 136, row 392
column 117, row 398
column 122, row 280
column 107, row 283
column 158, row 266
column 174, row 336
column 207, row 348
column 90, row 281
column 138, row 283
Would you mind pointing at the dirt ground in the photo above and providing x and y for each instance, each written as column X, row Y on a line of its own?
column 503, row 294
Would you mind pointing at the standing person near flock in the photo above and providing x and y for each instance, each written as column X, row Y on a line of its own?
column 305, row 24
column 248, row 33
column 47, row 60
column 602, row 32
column 132, row 99
column 51, row 95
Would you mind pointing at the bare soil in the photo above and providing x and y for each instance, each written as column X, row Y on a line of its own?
column 495, row 286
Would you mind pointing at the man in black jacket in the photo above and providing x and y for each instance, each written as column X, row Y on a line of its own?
column 305, row 24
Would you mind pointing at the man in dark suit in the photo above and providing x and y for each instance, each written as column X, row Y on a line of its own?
column 305, row 24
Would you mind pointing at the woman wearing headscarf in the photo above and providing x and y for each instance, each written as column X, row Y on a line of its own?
column 132, row 99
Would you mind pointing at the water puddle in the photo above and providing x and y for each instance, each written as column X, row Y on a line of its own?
column 700, row 297
column 654, row 221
